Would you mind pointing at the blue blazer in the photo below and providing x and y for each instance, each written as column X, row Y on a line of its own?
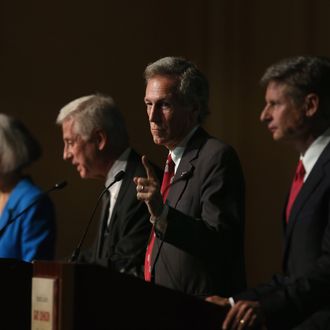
column 32, row 235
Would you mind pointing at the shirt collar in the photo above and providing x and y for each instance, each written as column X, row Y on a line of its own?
column 119, row 165
column 178, row 151
column 314, row 151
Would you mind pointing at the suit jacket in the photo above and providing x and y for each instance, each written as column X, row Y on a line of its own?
column 123, row 249
column 31, row 236
column 201, row 252
column 304, row 289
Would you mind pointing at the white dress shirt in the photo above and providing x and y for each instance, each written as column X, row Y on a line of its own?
column 314, row 151
column 119, row 165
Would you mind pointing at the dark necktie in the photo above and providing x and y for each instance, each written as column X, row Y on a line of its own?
column 297, row 183
column 104, row 216
column 167, row 179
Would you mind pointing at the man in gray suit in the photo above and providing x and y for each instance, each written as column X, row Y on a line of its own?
column 199, row 229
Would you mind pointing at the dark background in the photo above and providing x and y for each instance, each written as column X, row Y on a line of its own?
column 52, row 52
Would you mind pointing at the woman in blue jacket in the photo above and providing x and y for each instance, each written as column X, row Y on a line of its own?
column 31, row 235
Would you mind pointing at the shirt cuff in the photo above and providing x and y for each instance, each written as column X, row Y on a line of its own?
column 231, row 301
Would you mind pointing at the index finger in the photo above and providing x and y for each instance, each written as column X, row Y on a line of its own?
column 149, row 170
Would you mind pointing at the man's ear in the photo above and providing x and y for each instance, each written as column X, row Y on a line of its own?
column 194, row 113
column 311, row 104
column 101, row 139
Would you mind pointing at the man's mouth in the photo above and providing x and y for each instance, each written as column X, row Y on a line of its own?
column 272, row 128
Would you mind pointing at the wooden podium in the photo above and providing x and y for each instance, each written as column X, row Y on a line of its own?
column 79, row 296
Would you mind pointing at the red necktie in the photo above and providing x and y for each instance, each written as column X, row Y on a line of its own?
column 168, row 175
column 297, row 183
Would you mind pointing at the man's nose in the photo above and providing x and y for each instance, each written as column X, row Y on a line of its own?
column 265, row 114
column 153, row 114
column 66, row 154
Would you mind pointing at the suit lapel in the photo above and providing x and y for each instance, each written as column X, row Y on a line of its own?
column 103, row 224
column 5, row 216
column 129, row 174
column 186, row 167
column 312, row 182
column 181, row 178
column 125, row 184
column 183, row 173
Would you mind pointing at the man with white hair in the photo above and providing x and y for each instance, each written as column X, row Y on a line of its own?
column 96, row 142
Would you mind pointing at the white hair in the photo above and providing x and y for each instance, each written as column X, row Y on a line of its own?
column 93, row 112
column 18, row 148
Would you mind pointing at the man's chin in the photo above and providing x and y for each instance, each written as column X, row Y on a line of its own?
column 83, row 175
column 159, row 141
column 277, row 137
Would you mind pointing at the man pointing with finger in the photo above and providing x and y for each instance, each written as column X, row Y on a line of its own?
column 196, row 244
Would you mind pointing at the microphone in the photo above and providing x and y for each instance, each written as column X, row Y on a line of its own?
column 57, row 186
column 183, row 176
column 76, row 252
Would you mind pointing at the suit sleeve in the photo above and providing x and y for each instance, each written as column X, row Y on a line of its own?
column 288, row 301
column 298, row 298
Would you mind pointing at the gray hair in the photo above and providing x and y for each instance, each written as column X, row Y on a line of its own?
column 94, row 112
column 18, row 148
column 303, row 75
column 193, row 86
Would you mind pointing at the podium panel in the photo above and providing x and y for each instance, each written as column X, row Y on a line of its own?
column 92, row 297
column 15, row 291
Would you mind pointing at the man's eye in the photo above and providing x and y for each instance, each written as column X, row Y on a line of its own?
column 270, row 105
column 165, row 105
